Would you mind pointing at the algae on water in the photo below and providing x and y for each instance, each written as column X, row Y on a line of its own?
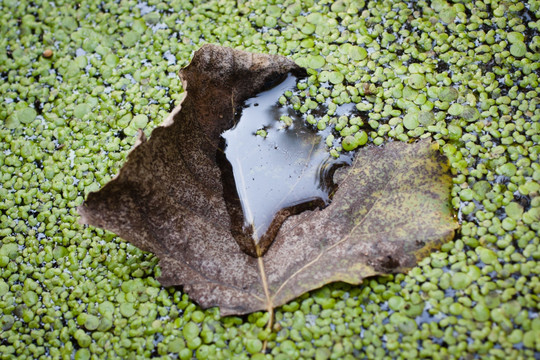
column 68, row 118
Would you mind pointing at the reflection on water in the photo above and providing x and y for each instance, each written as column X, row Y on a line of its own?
column 289, row 168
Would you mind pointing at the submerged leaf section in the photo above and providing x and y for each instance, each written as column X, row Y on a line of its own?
column 269, row 178
column 391, row 206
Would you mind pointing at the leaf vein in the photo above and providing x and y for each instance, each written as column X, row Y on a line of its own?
column 337, row 243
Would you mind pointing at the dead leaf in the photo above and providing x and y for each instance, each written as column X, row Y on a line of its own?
column 175, row 179
column 390, row 209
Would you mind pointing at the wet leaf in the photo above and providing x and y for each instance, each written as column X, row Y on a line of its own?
column 391, row 206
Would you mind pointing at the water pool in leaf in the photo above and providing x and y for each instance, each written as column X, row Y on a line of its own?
column 274, row 176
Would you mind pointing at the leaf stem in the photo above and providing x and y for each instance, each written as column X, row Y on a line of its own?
column 269, row 303
column 269, row 326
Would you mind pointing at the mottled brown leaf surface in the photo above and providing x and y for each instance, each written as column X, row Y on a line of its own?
column 170, row 191
column 390, row 209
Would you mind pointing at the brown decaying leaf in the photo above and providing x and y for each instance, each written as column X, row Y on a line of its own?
column 390, row 209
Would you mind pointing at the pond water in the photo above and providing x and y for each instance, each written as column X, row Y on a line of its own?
column 276, row 164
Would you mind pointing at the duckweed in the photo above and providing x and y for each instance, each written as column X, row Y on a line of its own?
column 78, row 85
